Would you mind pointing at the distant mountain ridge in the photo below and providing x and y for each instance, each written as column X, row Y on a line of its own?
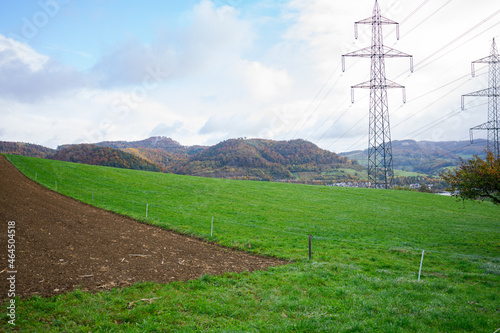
column 426, row 156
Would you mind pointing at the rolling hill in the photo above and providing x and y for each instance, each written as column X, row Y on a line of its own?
column 25, row 149
column 156, row 143
column 297, row 161
column 162, row 151
column 426, row 157
column 256, row 159
column 103, row 156
column 363, row 275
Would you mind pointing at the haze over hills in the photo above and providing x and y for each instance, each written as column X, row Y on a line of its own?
column 426, row 157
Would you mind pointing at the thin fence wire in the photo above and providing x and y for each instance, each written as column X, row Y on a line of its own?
column 138, row 208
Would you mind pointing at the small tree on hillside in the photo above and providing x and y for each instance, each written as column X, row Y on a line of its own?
column 425, row 189
column 476, row 179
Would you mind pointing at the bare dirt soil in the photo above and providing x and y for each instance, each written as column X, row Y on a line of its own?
column 62, row 244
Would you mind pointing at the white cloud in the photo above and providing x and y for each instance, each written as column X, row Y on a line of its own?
column 167, row 130
column 265, row 83
column 442, row 45
column 221, row 74
column 235, row 125
column 14, row 51
column 28, row 76
column 213, row 37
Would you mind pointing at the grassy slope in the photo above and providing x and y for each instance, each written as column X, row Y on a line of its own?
column 367, row 246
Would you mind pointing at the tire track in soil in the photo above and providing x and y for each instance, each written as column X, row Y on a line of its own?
column 63, row 244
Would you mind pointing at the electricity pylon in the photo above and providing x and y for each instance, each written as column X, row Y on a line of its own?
column 492, row 92
column 380, row 164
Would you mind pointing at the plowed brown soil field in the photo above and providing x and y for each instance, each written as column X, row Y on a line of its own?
column 62, row 244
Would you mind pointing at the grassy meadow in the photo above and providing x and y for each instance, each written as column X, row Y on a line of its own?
column 367, row 246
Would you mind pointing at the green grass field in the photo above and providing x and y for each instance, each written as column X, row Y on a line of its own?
column 367, row 246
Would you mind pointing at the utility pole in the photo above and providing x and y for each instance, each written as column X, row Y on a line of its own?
column 380, row 164
column 492, row 92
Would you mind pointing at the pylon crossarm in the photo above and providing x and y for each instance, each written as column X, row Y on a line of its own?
column 492, row 59
column 371, row 85
column 483, row 127
column 364, row 85
column 364, row 53
column 393, row 53
column 371, row 20
column 486, row 126
column 367, row 52
column 388, row 52
column 376, row 20
column 392, row 84
column 488, row 92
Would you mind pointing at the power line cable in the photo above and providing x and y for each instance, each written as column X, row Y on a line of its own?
column 428, row 17
column 456, row 39
column 414, row 12
column 338, row 119
column 312, row 102
column 426, row 107
column 311, row 114
column 439, row 121
column 430, row 56
column 421, row 96
column 404, row 20
column 350, row 129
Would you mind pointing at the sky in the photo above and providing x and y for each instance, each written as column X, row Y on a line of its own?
column 203, row 71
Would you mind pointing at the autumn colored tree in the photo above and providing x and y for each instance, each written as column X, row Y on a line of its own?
column 476, row 179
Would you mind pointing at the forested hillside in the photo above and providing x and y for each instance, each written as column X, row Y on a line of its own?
column 257, row 159
column 25, row 149
column 162, row 151
column 103, row 156
column 266, row 159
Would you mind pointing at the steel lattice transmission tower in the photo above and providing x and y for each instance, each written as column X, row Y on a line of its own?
column 492, row 92
column 380, row 164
